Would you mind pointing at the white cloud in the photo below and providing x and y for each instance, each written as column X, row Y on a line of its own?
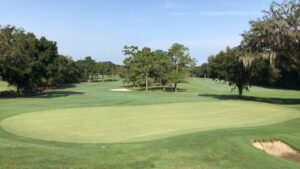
column 229, row 13
column 171, row 4
column 178, row 13
column 231, row 4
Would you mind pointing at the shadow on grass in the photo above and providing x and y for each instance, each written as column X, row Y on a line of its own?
column 65, row 86
column 166, row 89
column 45, row 93
column 53, row 94
column 287, row 101
column 48, row 94
column 105, row 80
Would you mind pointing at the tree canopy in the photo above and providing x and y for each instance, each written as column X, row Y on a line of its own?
column 32, row 64
column 227, row 66
column 276, row 37
column 269, row 53
column 143, row 67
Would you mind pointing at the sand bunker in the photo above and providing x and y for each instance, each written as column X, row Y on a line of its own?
column 120, row 90
column 278, row 149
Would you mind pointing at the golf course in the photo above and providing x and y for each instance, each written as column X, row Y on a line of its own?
column 204, row 125
column 163, row 84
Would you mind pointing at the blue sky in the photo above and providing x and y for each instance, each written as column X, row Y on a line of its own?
column 101, row 28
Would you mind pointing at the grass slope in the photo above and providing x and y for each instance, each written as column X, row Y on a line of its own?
column 220, row 148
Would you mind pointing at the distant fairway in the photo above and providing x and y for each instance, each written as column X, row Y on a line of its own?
column 140, row 123
column 4, row 86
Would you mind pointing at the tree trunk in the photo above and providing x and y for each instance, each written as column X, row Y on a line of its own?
column 18, row 91
column 240, row 88
column 175, row 87
column 162, row 84
column 175, row 84
column 146, row 81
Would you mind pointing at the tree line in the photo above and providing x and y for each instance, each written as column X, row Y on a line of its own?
column 33, row 64
column 269, row 54
column 144, row 67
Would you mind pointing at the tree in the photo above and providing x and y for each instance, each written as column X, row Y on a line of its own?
column 201, row 71
column 14, row 56
column 181, row 63
column 227, row 66
column 106, row 68
column 276, row 36
column 161, row 67
column 31, row 63
column 46, row 53
column 24, row 59
column 63, row 70
column 130, row 71
column 139, row 64
column 263, row 73
column 87, row 68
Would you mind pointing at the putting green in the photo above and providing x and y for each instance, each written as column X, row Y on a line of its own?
column 141, row 123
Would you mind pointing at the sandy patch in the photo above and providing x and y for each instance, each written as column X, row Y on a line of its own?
column 278, row 149
column 120, row 90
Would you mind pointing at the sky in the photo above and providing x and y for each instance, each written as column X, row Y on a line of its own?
column 101, row 28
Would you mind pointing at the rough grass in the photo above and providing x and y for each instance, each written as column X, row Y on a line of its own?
column 215, row 148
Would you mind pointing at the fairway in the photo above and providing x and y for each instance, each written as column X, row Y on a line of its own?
column 89, row 126
column 142, row 123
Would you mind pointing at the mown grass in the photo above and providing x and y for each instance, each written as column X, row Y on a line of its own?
column 4, row 86
column 217, row 148
column 142, row 123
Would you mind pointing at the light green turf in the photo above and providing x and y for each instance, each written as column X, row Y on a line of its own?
column 141, row 123
column 4, row 86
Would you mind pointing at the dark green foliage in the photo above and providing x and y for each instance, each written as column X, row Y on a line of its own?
column 182, row 64
column 24, row 58
column 87, row 67
column 143, row 67
column 139, row 64
column 276, row 37
column 162, row 68
column 227, row 66
column 263, row 73
column 31, row 64
column 63, row 70
column 270, row 50
column 201, row 71
column 90, row 70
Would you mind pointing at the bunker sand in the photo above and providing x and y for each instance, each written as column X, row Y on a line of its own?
column 120, row 90
column 278, row 149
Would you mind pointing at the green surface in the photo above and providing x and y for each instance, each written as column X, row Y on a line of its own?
column 141, row 123
column 224, row 125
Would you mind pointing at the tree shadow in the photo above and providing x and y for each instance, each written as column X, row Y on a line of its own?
column 53, row 94
column 8, row 94
column 166, row 89
column 286, row 101
column 105, row 80
column 65, row 86
column 45, row 92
